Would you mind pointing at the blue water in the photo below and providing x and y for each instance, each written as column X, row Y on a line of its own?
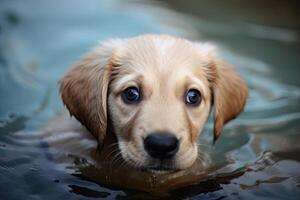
column 257, row 156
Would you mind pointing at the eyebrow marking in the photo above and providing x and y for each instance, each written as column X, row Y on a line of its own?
column 196, row 83
column 119, row 84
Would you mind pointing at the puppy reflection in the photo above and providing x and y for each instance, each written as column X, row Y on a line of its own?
column 154, row 92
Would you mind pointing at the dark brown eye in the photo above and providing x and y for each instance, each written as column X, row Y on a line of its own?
column 131, row 95
column 193, row 97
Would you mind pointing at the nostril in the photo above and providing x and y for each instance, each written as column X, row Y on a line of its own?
column 161, row 145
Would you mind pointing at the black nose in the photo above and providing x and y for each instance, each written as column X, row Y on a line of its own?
column 161, row 145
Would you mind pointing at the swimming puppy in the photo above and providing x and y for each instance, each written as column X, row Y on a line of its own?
column 156, row 93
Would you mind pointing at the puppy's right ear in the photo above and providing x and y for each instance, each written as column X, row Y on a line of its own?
column 84, row 88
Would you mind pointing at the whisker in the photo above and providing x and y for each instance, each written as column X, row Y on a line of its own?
column 112, row 145
column 116, row 158
column 111, row 153
column 123, row 163
column 203, row 158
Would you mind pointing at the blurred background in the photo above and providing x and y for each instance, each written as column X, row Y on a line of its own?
column 41, row 39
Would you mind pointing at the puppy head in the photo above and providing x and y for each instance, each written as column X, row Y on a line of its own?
column 158, row 92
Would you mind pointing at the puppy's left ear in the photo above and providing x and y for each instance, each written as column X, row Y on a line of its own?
column 230, row 94
column 84, row 89
column 229, row 91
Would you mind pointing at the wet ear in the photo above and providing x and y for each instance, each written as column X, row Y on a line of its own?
column 84, row 89
column 229, row 91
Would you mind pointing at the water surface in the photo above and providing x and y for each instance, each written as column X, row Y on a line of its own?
column 256, row 156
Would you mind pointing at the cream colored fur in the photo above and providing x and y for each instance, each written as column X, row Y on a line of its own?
column 163, row 68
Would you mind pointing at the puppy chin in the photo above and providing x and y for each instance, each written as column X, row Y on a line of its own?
column 169, row 165
column 145, row 162
column 159, row 166
column 149, row 164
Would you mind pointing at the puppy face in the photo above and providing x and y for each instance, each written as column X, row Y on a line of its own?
column 158, row 92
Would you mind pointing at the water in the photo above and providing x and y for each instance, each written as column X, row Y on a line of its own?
column 256, row 156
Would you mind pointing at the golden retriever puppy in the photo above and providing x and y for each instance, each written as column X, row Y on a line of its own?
column 155, row 93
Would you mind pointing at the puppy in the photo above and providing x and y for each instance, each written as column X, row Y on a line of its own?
column 155, row 93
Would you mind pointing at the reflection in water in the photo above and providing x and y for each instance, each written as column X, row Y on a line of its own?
column 69, row 141
column 256, row 156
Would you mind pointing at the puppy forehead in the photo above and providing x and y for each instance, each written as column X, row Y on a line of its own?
column 157, row 59
column 158, row 53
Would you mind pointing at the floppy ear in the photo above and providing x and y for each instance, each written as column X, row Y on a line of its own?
column 229, row 92
column 84, row 89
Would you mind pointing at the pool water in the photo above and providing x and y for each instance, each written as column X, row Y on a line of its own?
column 257, row 156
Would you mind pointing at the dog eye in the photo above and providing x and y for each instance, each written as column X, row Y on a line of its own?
column 131, row 95
column 193, row 97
